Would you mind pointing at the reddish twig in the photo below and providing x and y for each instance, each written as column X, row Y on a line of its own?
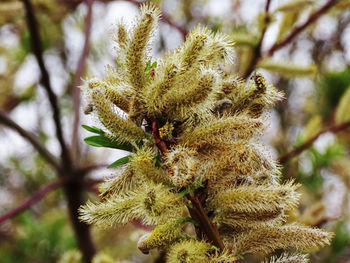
column 77, row 81
column 300, row 28
column 36, row 197
column 198, row 213
column 336, row 128
column 161, row 144
column 88, row 168
column 171, row 23
column 257, row 50
column 45, row 79
column 31, row 139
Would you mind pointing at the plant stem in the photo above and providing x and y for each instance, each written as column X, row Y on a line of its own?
column 36, row 197
column 51, row 159
column 300, row 28
column 45, row 79
column 257, row 50
column 335, row 128
column 197, row 211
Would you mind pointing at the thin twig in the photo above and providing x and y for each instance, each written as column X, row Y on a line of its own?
column 300, row 28
column 197, row 211
column 45, row 79
column 77, row 81
column 161, row 144
column 36, row 197
column 51, row 159
column 334, row 129
column 257, row 50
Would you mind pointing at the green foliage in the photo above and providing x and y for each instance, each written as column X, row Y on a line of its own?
column 42, row 239
column 341, row 240
column 331, row 88
column 312, row 178
column 119, row 162
column 102, row 140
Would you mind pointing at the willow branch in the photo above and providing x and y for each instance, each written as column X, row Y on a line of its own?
column 257, row 50
column 36, row 197
column 197, row 211
column 51, row 159
column 77, row 81
column 334, row 129
column 45, row 79
column 161, row 144
column 300, row 28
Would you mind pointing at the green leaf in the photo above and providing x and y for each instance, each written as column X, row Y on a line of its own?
column 185, row 192
column 101, row 141
column 93, row 129
column 197, row 184
column 120, row 161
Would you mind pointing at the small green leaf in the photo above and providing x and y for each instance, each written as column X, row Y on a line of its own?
column 93, row 129
column 101, row 141
column 185, row 192
column 120, row 161
column 148, row 66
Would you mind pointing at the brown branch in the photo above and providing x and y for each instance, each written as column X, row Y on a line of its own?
column 300, row 28
column 74, row 192
column 198, row 213
column 161, row 144
column 171, row 23
column 77, row 81
column 88, row 168
column 51, row 159
column 257, row 50
column 45, row 79
column 334, row 129
column 36, row 197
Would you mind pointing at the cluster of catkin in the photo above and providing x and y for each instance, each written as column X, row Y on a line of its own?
column 197, row 159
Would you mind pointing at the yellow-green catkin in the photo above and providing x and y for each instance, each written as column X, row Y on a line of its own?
column 188, row 251
column 123, row 129
column 136, row 54
column 162, row 236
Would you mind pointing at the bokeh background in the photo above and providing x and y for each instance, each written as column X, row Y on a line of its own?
column 47, row 170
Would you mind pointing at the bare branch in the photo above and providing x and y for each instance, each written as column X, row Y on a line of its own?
column 45, row 79
column 336, row 128
column 257, row 50
column 300, row 28
column 36, row 197
column 77, row 81
column 51, row 159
